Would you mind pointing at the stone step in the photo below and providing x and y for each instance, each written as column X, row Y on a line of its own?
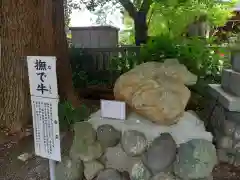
column 235, row 60
column 230, row 81
column 227, row 100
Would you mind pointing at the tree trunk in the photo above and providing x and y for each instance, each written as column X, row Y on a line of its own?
column 199, row 28
column 18, row 31
column 30, row 28
column 64, row 70
column 140, row 19
column 141, row 28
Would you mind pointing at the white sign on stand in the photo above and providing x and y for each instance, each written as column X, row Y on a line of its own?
column 46, row 128
column 44, row 99
column 113, row 109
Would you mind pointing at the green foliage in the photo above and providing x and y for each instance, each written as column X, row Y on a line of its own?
column 69, row 115
column 126, row 37
column 201, row 57
column 172, row 17
column 123, row 64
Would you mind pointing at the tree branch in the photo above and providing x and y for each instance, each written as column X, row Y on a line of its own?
column 129, row 7
column 151, row 15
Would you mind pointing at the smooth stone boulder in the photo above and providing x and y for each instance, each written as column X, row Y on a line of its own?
column 133, row 142
column 69, row 169
column 84, row 131
column 108, row 136
column 116, row 158
column 157, row 91
column 109, row 174
column 91, row 169
column 195, row 159
column 140, row 172
column 161, row 154
column 163, row 176
column 86, row 152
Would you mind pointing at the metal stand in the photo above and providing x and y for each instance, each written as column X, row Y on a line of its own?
column 52, row 165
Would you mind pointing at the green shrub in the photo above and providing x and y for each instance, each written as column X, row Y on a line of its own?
column 201, row 57
column 69, row 115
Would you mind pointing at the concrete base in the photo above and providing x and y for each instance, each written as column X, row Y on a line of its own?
column 189, row 126
column 230, row 81
column 227, row 100
column 235, row 60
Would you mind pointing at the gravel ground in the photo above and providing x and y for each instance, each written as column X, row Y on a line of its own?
column 226, row 172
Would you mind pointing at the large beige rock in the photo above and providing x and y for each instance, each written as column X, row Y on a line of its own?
column 156, row 90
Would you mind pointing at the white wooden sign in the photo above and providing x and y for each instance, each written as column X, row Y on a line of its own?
column 113, row 109
column 44, row 98
column 46, row 128
column 42, row 76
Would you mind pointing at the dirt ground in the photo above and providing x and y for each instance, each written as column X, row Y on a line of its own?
column 35, row 168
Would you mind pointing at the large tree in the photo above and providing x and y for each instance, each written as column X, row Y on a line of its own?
column 30, row 28
column 164, row 16
column 136, row 9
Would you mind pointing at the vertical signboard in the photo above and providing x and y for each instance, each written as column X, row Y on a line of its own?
column 44, row 99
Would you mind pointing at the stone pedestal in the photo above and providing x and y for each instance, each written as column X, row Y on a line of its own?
column 189, row 127
column 224, row 112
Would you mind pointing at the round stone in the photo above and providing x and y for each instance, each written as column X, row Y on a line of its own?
column 69, row 169
column 108, row 135
column 161, row 154
column 195, row 159
column 116, row 158
column 86, row 152
column 109, row 174
column 163, row 176
column 91, row 169
column 140, row 172
column 83, row 131
column 133, row 142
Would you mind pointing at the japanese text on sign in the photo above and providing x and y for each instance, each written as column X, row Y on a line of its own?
column 46, row 128
column 44, row 98
column 42, row 76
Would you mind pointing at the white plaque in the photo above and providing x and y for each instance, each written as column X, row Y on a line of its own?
column 42, row 76
column 113, row 109
column 46, row 127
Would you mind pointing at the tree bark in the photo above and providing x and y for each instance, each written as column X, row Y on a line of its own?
column 64, row 70
column 140, row 19
column 33, row 28
column 18, row 31
column 141, row 28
